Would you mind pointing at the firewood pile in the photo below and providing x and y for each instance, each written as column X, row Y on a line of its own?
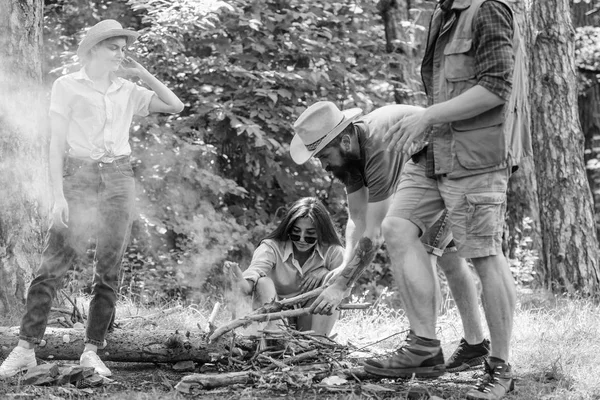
column 290, row 360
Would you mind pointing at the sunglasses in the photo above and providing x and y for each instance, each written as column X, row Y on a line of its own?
column 307, row 239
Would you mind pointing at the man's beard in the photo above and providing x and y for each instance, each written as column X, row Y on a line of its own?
column 351, row 167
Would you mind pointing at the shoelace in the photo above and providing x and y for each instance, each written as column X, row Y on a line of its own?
column 456, row 353
column 488, row 381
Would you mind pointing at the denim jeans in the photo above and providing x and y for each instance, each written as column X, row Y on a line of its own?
column 101, row 199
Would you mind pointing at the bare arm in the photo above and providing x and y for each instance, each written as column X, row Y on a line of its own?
column 364, row 251
column 469, row 104
column 412, row 127
column 357, row 215
column 362, row 256
column 165, row 100
column 58, row 143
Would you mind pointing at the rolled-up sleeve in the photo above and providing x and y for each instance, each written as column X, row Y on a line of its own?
column 141, row 98
column 493, row 42
column 263, row 260
column 334, row 257
column 59, row 98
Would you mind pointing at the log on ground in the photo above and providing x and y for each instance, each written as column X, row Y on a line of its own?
column 122, row 345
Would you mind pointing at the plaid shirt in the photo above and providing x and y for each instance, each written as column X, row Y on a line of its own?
column 492, row 41
column 494, row 58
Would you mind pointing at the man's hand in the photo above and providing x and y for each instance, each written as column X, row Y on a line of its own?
column 329, row 299
column 332, row 275
column 238, row 282
column 60, row 212
column 313, row 279
column 408, row 134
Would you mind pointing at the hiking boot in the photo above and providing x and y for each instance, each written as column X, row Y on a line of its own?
column 496, row 382
column 20, row 359
column 419, row 357
column 468, row 355
column 91, row 359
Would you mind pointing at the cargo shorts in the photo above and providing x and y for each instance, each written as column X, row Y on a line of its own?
column 475, row 206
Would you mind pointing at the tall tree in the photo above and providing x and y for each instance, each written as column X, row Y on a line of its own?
column 22, row 161
column 522, row 191
column 586, row 15
column 570, row 244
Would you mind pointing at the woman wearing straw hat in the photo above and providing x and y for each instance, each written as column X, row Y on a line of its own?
column 93, row 186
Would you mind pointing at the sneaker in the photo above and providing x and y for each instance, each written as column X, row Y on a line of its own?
column 496, row 382
column 418, row 357
column 91, row 359
column 20, row 359
column 468, row 356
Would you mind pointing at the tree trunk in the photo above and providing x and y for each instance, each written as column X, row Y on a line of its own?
column 570, row 245
column 522, row 215
column 22, row 145
column 589, row 104
column 124, row 345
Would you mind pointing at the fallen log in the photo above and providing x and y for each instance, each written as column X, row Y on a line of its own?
column 123, row 345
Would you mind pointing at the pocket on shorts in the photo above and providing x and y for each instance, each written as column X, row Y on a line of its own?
column 485, row 214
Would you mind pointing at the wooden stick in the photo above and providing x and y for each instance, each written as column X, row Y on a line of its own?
column 273, row 361
column 247, row 320
column 193, row 382
column 212, row 317
column 75, row 309
column 279, row 305
column 301, row 357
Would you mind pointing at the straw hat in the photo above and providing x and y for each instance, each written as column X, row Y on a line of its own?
column 101, row 31
column 318, row 125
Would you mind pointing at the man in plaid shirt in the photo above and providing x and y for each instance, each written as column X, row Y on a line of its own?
column 462, row 158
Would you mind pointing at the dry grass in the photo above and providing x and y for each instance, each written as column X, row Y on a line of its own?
column 555, row 346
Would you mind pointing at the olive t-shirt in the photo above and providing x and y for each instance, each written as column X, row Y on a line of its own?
column 381, row 169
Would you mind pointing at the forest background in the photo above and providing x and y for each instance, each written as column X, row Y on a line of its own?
column 213, row 180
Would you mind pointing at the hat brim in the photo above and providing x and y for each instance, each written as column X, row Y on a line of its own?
column 90, row 41
column 298, row 151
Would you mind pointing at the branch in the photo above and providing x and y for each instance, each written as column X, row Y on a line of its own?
column 279, row 305
column 247, row 320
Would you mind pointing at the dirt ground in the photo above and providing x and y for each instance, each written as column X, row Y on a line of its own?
column 157, row 381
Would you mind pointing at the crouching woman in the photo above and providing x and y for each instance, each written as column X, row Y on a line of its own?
column 295, row 258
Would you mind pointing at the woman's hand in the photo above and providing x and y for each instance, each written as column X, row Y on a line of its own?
column 60, row 212
column 313, row 279
column 130, row 67
column 238, row 282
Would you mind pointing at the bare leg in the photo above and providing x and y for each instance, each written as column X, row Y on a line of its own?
column 464, row 292
column 413, row 274
column 499, row 298
column 265, row 293
column 438, row 290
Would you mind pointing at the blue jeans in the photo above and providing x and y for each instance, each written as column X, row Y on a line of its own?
column 101, row 199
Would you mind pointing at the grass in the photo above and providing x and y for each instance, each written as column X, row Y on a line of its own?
column 555, row 345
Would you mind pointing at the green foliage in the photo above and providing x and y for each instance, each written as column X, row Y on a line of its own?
column 213, row 180
column 587, row 52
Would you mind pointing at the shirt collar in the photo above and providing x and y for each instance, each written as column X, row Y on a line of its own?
column 455, row 4
column 288, row 250
column 445, row 4
column 83, row 76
